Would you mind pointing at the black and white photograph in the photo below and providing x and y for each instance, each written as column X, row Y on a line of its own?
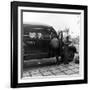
column 50, row 43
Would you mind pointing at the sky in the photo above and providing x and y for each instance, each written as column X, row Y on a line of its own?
column 57, row 21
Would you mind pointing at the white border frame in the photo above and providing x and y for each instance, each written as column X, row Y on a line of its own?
column 54, row 78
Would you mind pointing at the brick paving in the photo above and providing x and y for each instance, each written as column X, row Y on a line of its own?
column 52, row 70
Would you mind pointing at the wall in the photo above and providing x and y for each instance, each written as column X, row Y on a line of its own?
column 5, row 45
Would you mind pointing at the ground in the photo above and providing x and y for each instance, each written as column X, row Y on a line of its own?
column 48, row 67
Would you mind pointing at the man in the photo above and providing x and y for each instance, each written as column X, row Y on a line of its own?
column 68, row 51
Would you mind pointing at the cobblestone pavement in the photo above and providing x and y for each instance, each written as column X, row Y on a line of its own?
column 52, row 70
